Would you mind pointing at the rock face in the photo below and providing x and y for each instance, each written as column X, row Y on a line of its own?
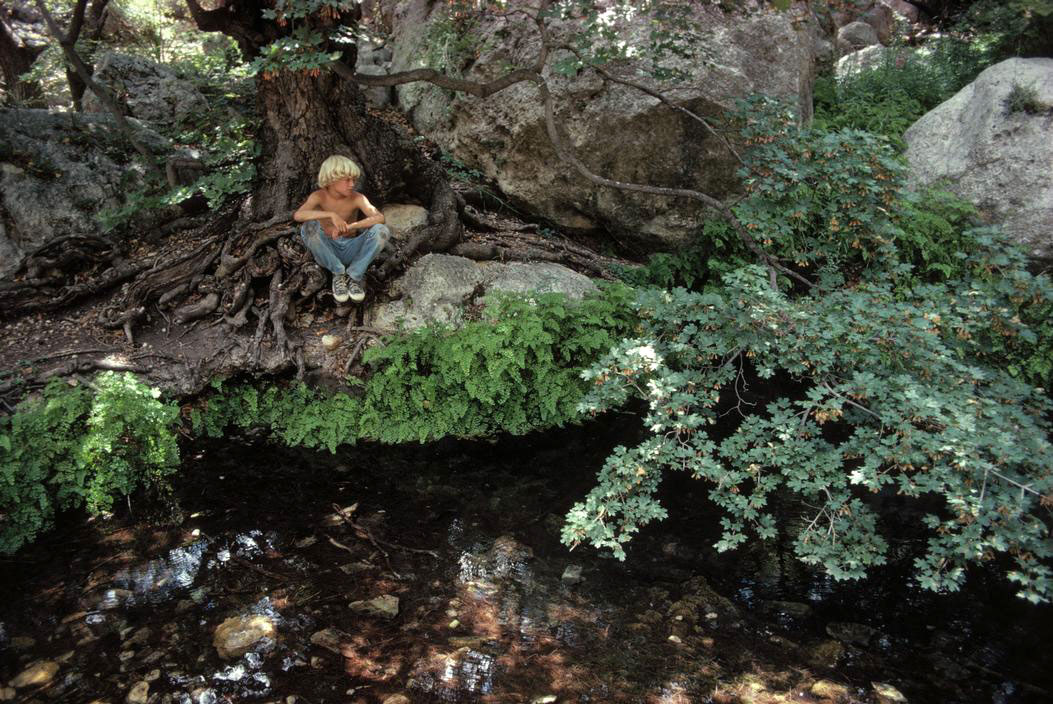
column 618, row 131
column 438, row 287
column 151, row 91
column 57, row 171
column 1001, row 162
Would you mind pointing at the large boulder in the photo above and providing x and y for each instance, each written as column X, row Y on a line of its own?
column 855, row 36
column 618, row 131
column 57, row 172
column 1000, row 161
column 439, row 287
column 151, row 91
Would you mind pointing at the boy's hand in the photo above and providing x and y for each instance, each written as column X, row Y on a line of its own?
column 339, row 224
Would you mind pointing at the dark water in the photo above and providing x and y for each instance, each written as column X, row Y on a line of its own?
column 465, row 535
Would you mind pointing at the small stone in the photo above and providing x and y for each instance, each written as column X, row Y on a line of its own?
column 236, row 636
column 355, row 567
column 452, row 613
column 7, row 694
column 826, row 654
column 825, row 689
column 572, row 575
column 712, row 616
column 317, row 663
column 386, row 606
column 887, row 694
column 126, row 655
column 472, row 642
column 675, row 639
column 292, row 699
column 397, row 699
column 847, row 632
column 330, row 639
column 139, row 693
column 305, row 542
column 547, row 699
column 331, row 342
column 454, row 624
column 153, row 675
column 38, row 673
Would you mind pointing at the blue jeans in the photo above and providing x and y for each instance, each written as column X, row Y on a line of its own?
column 344, row 255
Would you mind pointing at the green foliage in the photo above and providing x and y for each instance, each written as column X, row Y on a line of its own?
column 887, row 397
column 77, row 447
column 1023, row 99
column 301, row 51
column 715, row 251
column 451, row 41
column 816, row 197
column 515, row 370
column 889, row 98
column 936, row 230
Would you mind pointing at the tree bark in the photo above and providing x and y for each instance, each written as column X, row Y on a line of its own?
column 16, row 58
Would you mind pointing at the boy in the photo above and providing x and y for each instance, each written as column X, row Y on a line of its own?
column 339, row 242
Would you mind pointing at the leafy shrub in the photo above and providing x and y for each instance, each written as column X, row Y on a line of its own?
column 887, row 398
column 716, row 251
column 515, row 370
column 816, row 197
column 77, row 447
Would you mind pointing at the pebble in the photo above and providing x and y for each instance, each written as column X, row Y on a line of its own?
column 153, row 675
column 675, row 639
column 317, row 663
column 454, row 624
column 40, row 672
column 331, row 342
column 139, row 693
column 887, row 694
column 452, row 613
column 546, row 699
column 237, row 635
column 330, row 639
column 825, row 689
column 385, row 606
column 7, row 694
column 397, row 699
column 572, row 575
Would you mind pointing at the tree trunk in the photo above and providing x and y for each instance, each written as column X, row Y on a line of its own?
column 16, row 58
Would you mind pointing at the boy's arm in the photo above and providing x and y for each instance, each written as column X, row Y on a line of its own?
column 372, row 215
column 310, row 210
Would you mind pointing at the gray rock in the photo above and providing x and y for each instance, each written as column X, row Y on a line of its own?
column 904, row 9
column 572, row 575
column 866, row 59
column 1000, row 162
column 623, row 133
column 883, row 20
column 401, row 218
column 57, row 171
column 855, row 36
column 330, row 639
column 151, row 91
column 437, row 288
column 386, row 606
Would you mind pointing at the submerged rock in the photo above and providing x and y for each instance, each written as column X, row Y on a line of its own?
column 887, row 694
column 825, row 689
column 237, row 636
column 38, row 673
column 852, row 633
column 385, row 606
column 139, row 693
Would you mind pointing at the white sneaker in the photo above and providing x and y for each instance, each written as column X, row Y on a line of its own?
column 355, row 290
column 340, row 292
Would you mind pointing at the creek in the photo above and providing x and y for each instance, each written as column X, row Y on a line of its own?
column 435, row 573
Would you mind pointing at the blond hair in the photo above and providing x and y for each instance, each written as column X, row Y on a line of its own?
column 335, row 168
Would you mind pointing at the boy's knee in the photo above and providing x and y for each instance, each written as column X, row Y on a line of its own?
column 382, row 234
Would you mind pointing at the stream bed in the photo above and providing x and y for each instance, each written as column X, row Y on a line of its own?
column 435, row 574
